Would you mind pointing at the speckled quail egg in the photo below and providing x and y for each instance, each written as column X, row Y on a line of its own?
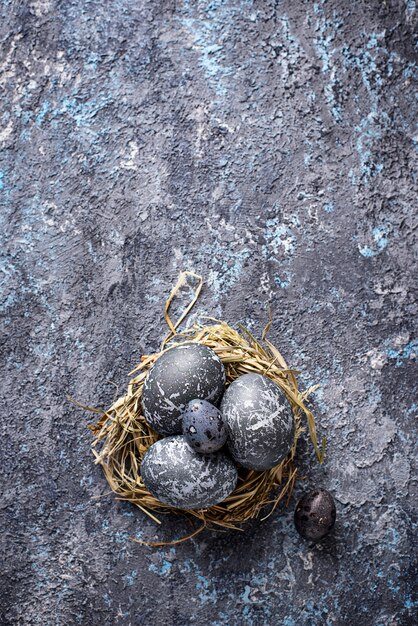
column 203, row 426
column 315, row 514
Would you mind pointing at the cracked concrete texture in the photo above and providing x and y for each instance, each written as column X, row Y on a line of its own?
column 272, row 148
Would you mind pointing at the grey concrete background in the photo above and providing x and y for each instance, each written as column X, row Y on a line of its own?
column 269, row 146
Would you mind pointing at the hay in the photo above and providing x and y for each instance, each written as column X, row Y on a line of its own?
column 122, row 436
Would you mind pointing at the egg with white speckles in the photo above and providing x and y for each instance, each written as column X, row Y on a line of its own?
column 181, row 374
column 178, row 476
column 259, row 421
column 315, row 514
column 203, row 427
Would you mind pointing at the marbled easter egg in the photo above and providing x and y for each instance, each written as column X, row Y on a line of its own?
column 259, row 421
column 177, row 475
column 181, row 374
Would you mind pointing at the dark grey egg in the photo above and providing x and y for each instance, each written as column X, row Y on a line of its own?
column 177, row 475
column 259, row 421
column 184, row 372
column 315, row 514
column 203, row 427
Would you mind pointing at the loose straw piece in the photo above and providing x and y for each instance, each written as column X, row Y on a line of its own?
column 182, row 280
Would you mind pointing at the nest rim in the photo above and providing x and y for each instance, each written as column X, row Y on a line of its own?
column 122, row 435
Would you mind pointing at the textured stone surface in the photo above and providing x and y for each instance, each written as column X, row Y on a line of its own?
column 178, row 376
column 270, row 146
column 175, row 474
column 259, row 421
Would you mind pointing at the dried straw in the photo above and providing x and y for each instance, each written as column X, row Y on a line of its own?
column 122, row 436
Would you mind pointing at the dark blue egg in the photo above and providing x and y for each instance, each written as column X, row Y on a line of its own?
column 203, row 427
column 315, row 514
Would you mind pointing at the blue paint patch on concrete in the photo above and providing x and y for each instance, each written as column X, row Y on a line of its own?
column 222, row 276
column 410, row 8
column 370, row 131
column 9, row 301
column 205, row 586
column 164, row 567
column 279, row 238
column 107, row 599
column 283, row 280
column 163, row 570
column 279, row 248
column 367, row 252
column 393, row 536
column 131, row 578
column 380, row 237
column 412, row 409
column 207, row 35
column 364, row 62
column 139, row 534
column 245, row 596
column 224, row 619
column 83, row 113
column 42, row 114
column 92, row 61
column 409, row 603
column 206, row 589
column 403, row 355
column 121, row 536
column 380, row 241
column 375, row 40
column 326, row 51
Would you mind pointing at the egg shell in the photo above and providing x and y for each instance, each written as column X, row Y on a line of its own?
column 181, row 374
column 203, row 427
column 315, row 514
column 259, row 422
column 177, row 475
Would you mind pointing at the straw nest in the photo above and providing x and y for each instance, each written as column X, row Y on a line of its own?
column 122, row 435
